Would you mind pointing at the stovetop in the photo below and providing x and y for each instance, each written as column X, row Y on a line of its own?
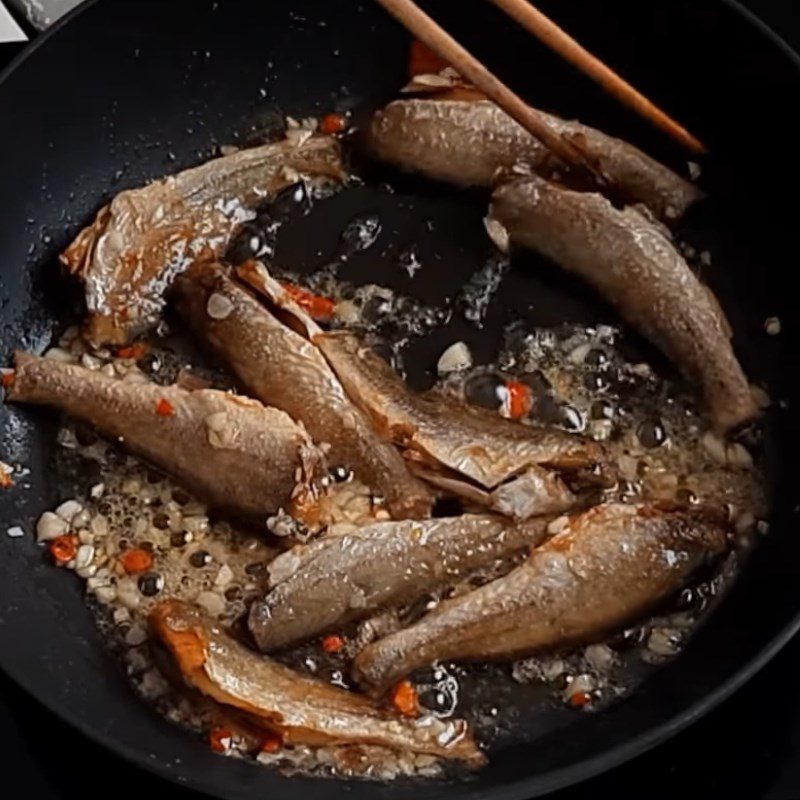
column 747, row 748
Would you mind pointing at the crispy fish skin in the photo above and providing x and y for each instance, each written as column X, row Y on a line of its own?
column 283, row 369
column 136, row 245
column 468, row 442
column 238, row 454
column 633, row 264
column 609, row 566
column 300, row 709
column 340, row 579
column 466, row 143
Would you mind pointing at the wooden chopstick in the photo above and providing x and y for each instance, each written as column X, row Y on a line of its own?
column 547, row 32
column 437, row 39
column 444, row 45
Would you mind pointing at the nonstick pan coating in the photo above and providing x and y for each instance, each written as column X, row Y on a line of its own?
column 127, row 90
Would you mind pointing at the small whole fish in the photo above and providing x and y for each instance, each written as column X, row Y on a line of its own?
column 282, row 368
column 234, row 452
column 609, row 566
column 337, row 580
column 299, row 709
column 635, row 266
column 469, row 451
column 468, row 142
column 138, row 243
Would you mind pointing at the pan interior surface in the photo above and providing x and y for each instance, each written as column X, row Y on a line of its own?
column 128, row 90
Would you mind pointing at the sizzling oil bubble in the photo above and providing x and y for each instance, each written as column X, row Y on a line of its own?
column 602, row 409
column 289, row 201
column 252, row 241
column 596, row 357
column 483, row 390
column 340, row 473
column 180, row 538
column 651, row 433
column 438, row 690
column 200, row 558
column 597, row 381
column 571, row 418
column 150, row 584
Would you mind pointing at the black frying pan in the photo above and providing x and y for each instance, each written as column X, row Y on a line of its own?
column 126, row 90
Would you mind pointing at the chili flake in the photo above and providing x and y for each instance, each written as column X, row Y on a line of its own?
column 333, row 123
column 136, row 560
column 580, row 699
column 8, row 378
column 317, row 307
column 332, row 643
column 135, row 351
column 404, row 699
column 517, row 402
column 164, row 408
column 220, row 739
column 271, row 744
column 64, row 548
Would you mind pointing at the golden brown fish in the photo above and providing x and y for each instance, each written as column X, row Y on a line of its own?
column 468, row 451
column 283, row 369
column 233, row 451
column 340, row 579
column 467, row 142
column 609, row 566
column 137, row 244
column 636, row 267
column 300, row 710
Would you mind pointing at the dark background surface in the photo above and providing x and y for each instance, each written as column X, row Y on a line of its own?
column 747, row 748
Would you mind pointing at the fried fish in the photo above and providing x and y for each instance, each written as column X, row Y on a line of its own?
column 299, row 709
column 636, row 267
column 138, row 243
column 234, row 452
column 282, row 368
column 467, row 142
column 608, row 566
column 337, row 580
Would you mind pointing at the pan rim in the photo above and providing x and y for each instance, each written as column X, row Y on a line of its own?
column 523, row 788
